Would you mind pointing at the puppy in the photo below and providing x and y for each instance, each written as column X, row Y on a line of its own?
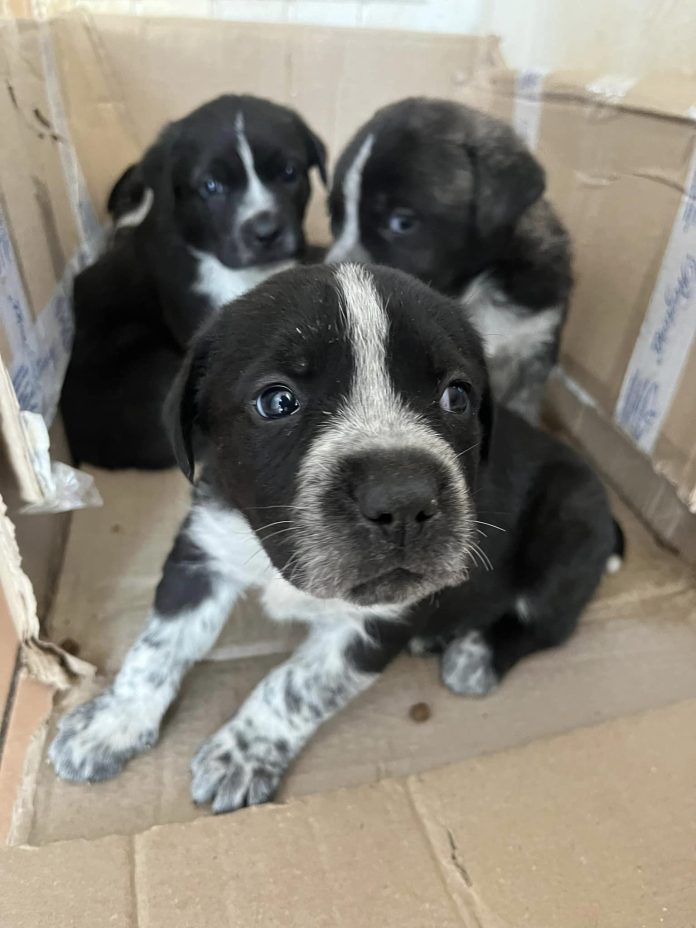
column 339, row 427
column 215, row 206
column 452, row 195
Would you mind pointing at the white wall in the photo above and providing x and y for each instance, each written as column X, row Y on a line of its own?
column 618, row 37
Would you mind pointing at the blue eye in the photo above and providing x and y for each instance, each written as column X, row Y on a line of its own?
column 402, row 221
column 276, row 402
column 456, row 397
column 288, row 173
column 210, row 187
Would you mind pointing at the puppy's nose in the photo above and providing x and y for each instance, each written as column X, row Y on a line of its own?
column 264, row 228
column 397, row 497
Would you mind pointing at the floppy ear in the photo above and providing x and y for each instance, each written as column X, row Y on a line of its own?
column 127, row 192
column 508, row 178
column 316, row 150
column 181, row 408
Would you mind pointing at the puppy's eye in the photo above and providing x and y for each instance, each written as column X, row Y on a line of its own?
column 210, row 187
column 456, row 397
column 276, row 402
column 288, row 173
column 402, row 221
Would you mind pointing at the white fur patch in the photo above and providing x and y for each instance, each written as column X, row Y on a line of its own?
column 467, row 666
column 505, row 331
column 257, row 197
column 221, row 285
column 347, row 246
column 137, row 215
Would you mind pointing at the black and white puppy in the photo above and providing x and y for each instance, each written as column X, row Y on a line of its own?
column 453, row 196
column 215, row 206
column 341, row 427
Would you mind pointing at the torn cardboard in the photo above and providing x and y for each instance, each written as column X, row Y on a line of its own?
column 593, row 828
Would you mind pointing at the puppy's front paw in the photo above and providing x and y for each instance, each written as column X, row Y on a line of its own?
column 467, row 666
column 236, row 768
column 95, row 740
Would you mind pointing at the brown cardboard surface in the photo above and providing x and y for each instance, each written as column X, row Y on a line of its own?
column 636, row 649
column 648, row 493
column 616, row 152
column 592, row 828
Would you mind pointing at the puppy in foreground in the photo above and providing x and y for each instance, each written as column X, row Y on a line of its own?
column 216, row 205
column 452, row 195
column 340, row 432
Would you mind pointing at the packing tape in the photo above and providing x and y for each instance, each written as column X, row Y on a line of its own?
column 667, row 333
column 40, row 347
column 527, row 106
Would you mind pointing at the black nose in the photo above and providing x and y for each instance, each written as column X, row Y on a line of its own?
column 264, row 228
column 398, row 495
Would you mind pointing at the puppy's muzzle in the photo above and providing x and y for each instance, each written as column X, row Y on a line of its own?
column 397, row 496
column 268, row 235
column 382, row 525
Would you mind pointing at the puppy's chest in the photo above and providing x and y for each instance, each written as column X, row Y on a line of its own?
column 220, row 285
column 509, row 332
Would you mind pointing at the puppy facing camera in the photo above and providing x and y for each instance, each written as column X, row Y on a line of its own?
column 452, row 195
column 350, row 464
column 215, row 206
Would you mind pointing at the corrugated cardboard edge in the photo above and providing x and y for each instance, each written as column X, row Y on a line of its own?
column 16, row 444
column 634, row 476
column 44, row 661
column 25, row 724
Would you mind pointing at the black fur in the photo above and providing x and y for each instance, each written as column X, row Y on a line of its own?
column 138, row 307
column 473, row 197
column 545, row 526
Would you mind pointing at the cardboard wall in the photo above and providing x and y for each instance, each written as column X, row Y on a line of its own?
column 618, row 150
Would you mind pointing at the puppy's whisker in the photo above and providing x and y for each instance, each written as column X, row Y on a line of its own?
column 489, row 525
column 467, row 450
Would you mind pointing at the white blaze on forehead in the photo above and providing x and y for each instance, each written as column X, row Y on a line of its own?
column 347, row 246
column 370, row 418
column 257, row 197
column 373, row 414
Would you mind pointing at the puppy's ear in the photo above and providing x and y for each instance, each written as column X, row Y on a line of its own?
column 181, row 408
column 508, row 178
column 316, row 150
column 127, row 192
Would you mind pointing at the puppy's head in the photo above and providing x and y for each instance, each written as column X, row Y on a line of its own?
column 231, row 179
column 431, row 187
column 345, row 412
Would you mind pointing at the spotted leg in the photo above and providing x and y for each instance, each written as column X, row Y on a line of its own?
column 244, row 762
column 193, row 600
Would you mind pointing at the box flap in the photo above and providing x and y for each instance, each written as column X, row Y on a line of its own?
column 594, row 827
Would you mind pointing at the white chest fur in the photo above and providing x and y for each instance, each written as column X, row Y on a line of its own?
column 507, row 330
column 220, row 284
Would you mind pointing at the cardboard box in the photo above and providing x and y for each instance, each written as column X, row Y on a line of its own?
column 564, row 799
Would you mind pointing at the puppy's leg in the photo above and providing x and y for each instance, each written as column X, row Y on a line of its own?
column 192, row 603
column 244, row 762
column 474, row 664
column 567, row 534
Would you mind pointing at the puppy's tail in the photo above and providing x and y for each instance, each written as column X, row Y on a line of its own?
column 616, row 558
